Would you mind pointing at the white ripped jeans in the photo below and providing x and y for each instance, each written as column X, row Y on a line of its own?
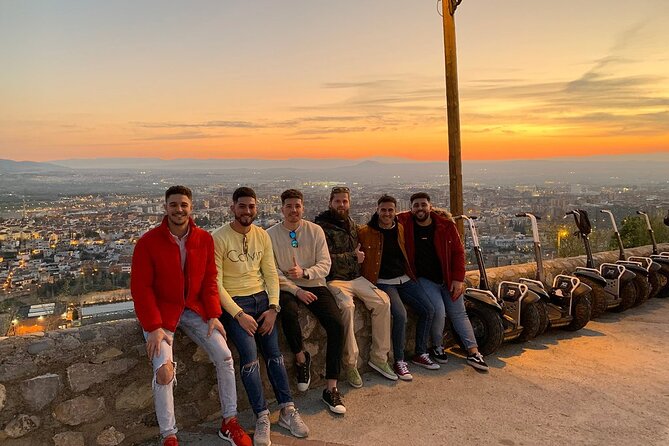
column 195, row 328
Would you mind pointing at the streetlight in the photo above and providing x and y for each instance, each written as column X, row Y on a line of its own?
column 562, row 233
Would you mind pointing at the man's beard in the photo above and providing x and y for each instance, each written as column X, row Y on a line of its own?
column 248, row 219
column 424, row 217
column 343, row 213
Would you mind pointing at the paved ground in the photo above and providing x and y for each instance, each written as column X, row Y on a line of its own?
column 607, row 384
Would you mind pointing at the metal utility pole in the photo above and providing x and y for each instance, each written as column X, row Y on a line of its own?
column 453, row 111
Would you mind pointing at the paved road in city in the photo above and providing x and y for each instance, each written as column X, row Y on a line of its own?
column 606, row 384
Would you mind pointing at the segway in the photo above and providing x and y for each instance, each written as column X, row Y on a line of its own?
column 612, row 284
column 661, row 259
column 568, row 299
column 521, row 311
column 643, row 267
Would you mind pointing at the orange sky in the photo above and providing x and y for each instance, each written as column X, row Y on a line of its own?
column 283, row 80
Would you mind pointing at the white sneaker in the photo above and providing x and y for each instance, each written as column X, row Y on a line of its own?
column 261, row 436
column 290, row 419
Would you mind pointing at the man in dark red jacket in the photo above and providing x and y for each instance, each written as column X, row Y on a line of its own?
column 437, row 258
column 173, row 283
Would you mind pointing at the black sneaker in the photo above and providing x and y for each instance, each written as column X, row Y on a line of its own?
column 334, row 401
column 476, row 360
column 438, row 354
column 304, row 373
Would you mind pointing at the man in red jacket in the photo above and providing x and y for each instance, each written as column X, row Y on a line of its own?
column 437, row 258
column 173, row 283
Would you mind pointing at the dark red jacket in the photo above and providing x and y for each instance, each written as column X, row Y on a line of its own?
column 447, row 242
column 157, row 282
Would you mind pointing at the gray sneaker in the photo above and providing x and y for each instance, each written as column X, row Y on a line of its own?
column 292, row 421
column 261, row 435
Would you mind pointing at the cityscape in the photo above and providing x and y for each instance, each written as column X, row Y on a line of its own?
column 65, row 257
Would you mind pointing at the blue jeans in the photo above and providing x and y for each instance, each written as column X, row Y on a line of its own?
column 412, row 294
column 440, row 297
column 247, row 346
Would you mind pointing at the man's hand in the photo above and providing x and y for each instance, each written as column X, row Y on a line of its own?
column 215, row 324
column 305, row 296
column 456, row 289
column 267, row 320
column 359, row 254
column 296, row 272
column 153, row 342
column 248, row 323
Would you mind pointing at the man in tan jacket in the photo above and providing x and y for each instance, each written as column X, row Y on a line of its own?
column 386, row 265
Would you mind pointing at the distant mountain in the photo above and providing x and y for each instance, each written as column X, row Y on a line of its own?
column 623, row 169
column 14, row 167
column 215, row 163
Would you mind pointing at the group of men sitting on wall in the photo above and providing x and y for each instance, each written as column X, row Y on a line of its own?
column 230, row 286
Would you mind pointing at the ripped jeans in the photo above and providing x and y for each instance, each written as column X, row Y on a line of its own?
column 247, row 346
column 195, row 328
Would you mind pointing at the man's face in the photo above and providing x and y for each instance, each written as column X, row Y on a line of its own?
column 292, row 210
column 340, row 204
column 245, row 210
column 420, row 209
column 178, row 209
column 386, row 211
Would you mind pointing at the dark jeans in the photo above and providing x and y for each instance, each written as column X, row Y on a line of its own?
column 247, row 346
column 326, row 311
column 412, row 294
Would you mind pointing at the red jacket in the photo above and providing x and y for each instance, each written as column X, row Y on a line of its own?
column 157, row 282
column 447, row 242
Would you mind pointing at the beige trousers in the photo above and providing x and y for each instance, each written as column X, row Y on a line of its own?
column 378, row 303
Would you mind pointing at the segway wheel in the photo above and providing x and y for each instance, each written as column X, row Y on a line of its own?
column 487, row 325
column 581, row 309
column 530, row 319
column 543, row 317
column 655, row 284
column 628, row 294
column 642, row 290
column 598, row 294
column 663, row 276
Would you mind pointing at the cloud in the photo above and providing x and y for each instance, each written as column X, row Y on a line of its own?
column 208, row 124
column 180, row 136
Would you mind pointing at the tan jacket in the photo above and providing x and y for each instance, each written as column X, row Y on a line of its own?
column 371, row 241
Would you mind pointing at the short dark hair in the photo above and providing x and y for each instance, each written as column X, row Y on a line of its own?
column 291, row 193
column 418, row 195
column 178, row 190
column 385, row 198
column 243, row 191
column 340, row 190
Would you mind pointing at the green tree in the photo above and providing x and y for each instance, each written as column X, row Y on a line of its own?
column 633, row 232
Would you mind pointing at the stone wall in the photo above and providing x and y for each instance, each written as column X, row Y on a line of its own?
column 92, row 385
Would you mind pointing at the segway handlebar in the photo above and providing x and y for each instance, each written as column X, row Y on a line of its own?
column 613, row 220
column 472, row 227
column 535, row 229
column 645, row 216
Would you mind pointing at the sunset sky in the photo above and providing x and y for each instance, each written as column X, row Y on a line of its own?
column 315, row 79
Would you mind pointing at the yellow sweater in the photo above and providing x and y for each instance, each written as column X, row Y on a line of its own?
column 242, row 274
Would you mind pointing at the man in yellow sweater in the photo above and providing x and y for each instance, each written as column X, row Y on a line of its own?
column 248, row 285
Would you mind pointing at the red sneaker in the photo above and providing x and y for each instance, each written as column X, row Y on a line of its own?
column 171, row 441
column 234, row 433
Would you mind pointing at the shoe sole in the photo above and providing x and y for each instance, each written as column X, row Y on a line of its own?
column 405, row 377
column 392, row 377
column 303, row 387
column 440, row 361
column 224, row 437
column 478, row 366
column 287, row 426
column 428, row 367
column 334, row 409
